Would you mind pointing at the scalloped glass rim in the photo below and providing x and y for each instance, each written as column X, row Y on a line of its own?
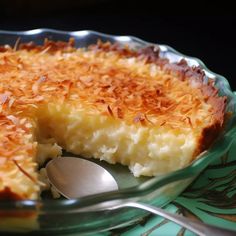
column 218, row 149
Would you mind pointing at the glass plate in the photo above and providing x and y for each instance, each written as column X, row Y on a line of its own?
column 73, row 216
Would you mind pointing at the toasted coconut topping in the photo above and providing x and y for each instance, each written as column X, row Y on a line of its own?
column 130, row 82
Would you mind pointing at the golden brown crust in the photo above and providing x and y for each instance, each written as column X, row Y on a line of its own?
column 49, row 45
column 7, row 194
column 136, row 86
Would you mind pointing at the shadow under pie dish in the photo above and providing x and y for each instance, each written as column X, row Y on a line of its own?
column 149, row 108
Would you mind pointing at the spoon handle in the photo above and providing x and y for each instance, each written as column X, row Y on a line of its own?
column 199, row 228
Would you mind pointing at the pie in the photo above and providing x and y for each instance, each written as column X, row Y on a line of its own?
column 106, row 101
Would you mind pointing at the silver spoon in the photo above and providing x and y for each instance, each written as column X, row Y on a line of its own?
column 76, row 177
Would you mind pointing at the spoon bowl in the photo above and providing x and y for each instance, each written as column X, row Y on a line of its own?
column 76, row 177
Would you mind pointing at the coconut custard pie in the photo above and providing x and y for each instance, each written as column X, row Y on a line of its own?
column 106, row 101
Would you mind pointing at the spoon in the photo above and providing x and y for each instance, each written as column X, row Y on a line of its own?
column 76, row 177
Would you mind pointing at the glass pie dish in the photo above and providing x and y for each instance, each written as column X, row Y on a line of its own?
column 98, row 213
